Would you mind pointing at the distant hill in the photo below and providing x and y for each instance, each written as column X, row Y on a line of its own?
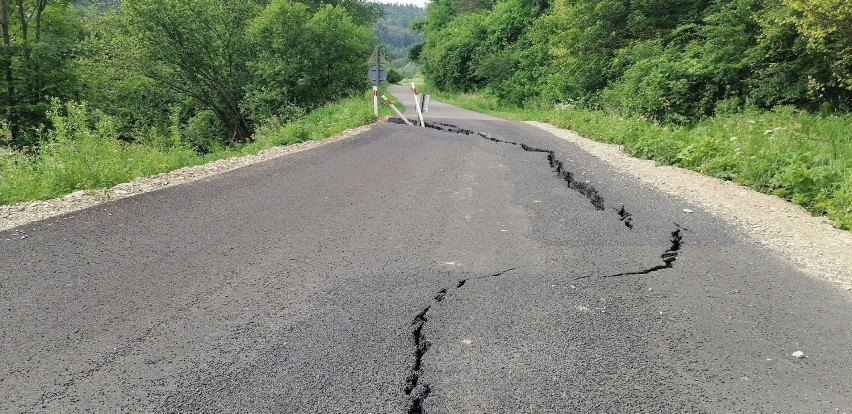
column 394, row 33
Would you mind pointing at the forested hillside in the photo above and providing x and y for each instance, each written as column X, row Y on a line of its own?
column 166, row 80
column 754, row 91
column 668, row 60
column 396, row 35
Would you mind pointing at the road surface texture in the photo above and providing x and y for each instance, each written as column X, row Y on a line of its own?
column 487, row 267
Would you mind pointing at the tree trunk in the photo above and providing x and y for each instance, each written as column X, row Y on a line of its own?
column 40, row 5
column 38, row 12
column 26, row 85
column 6, row 65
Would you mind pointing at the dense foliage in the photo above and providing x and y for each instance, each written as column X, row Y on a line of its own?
column 202, row 73
column 754, row 91
column 669, row 61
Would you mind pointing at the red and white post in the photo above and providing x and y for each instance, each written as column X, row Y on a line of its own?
column 388, row 101
column 417, row 105
column 375, row 100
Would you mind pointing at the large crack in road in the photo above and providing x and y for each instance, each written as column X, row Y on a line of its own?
column 583, row 187
column 669, row 257
column 417, row 391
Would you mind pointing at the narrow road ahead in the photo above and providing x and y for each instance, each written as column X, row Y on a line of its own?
column 486, row 268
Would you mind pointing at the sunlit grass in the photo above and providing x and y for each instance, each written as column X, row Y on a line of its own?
column 77, row 155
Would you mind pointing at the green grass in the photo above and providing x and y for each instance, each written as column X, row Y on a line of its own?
column 418, row 80
column 77, row 155
column 801, row 157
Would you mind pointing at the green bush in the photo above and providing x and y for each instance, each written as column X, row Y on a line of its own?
column 205, row 132
column 394, row 77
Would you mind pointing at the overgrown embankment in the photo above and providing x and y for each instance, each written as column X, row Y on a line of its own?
column 84, row 151
column 804, row 158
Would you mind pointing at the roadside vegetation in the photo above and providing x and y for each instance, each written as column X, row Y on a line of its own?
column 84, row 151
column 96, row 93
column 754, row 91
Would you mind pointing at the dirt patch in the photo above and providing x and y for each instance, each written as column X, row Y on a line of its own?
column 15, row 215
column 785, row 228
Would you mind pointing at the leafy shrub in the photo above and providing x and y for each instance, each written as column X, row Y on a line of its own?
column 394, row 77
column 205, row 132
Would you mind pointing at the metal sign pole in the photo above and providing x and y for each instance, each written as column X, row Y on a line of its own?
column 376, row 88
column 378, row 59
column 375, row 74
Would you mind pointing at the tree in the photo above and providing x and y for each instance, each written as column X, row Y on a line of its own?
column 359, row 11
column 38, row 37
column 827, row 27
column 304, row 59
column 197, row 48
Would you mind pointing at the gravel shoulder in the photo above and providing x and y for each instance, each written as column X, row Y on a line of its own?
column 811, row 243
column 16, row 215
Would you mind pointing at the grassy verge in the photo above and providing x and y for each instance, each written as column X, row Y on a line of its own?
column 801, row 157
column 80, row 154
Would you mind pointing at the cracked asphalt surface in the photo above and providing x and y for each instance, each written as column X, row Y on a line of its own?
column 412, row 270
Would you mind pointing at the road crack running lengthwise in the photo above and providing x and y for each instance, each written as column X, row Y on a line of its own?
column 414, row 389
column 421, row 345
column 583, row 188
column 626, row 217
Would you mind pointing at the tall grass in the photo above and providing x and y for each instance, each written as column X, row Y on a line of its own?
column 82, row 150
column 802, row 157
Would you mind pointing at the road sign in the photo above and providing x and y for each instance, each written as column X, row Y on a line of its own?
column 377, row 74
column 377, row 58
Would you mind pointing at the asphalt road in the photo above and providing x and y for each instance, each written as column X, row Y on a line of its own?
column 414, row 270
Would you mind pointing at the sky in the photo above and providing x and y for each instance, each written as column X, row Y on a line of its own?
column 421, row 3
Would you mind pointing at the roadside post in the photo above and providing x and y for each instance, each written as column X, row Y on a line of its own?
column 376, row 74
column 375, row 101
column 388, row 101
column 417, row 105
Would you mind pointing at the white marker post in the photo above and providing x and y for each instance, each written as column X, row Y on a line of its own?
column 375, row 100
column 396, row 110
column 417, row 105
